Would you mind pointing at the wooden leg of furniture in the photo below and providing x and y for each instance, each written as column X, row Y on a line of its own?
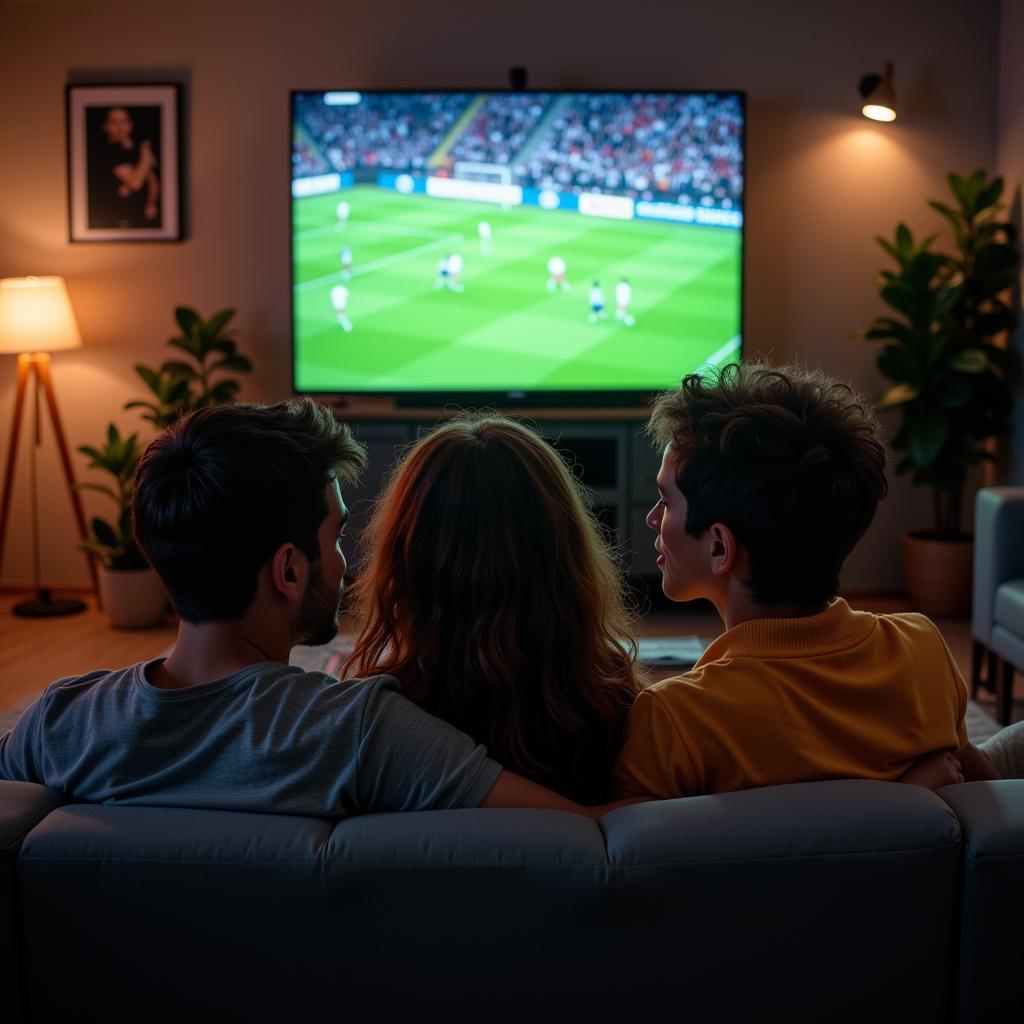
column 977, row 654
column 992, row 672
column 1005, row 698
column 43, row 369
column 24, row 361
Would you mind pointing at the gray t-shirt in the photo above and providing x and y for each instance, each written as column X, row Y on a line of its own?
column 271, row 738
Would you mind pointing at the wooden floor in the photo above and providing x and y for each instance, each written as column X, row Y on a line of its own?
column 34, row 652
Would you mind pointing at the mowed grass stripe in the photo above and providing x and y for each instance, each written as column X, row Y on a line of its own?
column 574, row 335
column 505, row 306
column 521, row 332
column 667, row 337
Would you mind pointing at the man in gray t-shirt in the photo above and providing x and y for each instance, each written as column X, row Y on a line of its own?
column 266, row 738
column 239, row 510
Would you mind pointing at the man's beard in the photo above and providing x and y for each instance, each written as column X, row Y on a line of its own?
column 318, row 617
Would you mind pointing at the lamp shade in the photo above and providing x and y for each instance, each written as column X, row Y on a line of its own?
column 36, row 315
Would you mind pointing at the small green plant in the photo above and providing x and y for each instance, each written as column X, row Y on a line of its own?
column 112, row 542
column 179, row 387
column 952, row 382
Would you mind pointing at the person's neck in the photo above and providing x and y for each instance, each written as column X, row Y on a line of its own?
column 204, row 652
column 737, row 606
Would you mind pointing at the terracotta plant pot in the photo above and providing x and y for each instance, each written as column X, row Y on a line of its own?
column 133, row 598
column 938, row 573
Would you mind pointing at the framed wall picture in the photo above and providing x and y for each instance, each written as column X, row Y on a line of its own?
column 124, row 163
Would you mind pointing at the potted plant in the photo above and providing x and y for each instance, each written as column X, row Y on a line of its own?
column 951, row 378
column 130, row 591
column 179, row 387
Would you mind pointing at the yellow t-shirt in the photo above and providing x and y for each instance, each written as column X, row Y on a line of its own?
column 841, row 694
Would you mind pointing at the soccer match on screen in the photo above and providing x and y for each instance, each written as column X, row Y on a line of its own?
column 514, row 242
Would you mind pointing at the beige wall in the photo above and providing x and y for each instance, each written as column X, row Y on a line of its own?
column 1010, row 163
column 822, row 181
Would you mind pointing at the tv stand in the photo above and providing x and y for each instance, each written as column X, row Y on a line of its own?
column 364, row 409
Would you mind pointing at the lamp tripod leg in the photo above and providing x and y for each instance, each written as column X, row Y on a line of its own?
column 43, row 369
column 24, row 365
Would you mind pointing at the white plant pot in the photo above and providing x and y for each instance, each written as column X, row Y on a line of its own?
column 132, row 598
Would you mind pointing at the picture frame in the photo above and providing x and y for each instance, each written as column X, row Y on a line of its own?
column 124, row 163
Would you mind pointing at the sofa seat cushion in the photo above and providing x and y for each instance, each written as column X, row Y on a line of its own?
column 1009, row 606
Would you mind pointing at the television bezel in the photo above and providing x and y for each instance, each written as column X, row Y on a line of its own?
column 577, row 398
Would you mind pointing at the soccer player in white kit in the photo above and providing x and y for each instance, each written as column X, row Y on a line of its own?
column 597, row 310
column 339, row 300
column 448, row 269
column 454, row 270
column 483, row 230
column 346, row 263
column 442, row 273
column 623, row 297
column 343, row 212
column 556, row 274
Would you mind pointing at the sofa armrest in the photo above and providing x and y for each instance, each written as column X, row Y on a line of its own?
column 998, row 550
column 992, row 897
column 22, row 806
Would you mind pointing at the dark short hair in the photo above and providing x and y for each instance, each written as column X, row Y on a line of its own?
column 219, row 491
column 791, row 460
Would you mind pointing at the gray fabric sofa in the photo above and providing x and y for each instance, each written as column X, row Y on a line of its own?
column 840, row 901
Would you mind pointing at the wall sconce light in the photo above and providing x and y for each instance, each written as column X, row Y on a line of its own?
column 879, row 95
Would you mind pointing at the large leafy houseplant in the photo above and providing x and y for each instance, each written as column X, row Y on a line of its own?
column 951, row 378
column 112, row 542
column 178, row 386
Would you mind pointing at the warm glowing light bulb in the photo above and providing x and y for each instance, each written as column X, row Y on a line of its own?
column 878, row 113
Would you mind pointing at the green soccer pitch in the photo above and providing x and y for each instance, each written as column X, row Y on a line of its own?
column 505, row 331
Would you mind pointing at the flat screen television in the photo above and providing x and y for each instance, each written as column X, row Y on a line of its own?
column 522, row 247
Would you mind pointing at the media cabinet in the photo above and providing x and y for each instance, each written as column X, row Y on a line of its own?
column 608, row 450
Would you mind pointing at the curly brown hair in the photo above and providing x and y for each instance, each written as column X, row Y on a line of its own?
column 790, row 459
column 489, row 591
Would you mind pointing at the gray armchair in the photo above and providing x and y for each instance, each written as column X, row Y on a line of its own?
column 997, row 621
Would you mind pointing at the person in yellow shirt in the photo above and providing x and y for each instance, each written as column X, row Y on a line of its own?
column 769, row 478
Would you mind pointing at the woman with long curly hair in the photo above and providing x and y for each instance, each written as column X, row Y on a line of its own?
column 489, row 591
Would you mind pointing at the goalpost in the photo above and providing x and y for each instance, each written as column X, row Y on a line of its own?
column 496, row 174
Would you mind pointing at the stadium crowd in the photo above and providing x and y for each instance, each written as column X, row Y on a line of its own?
column 306, row 161
column 399, row 131
column 657, row 146
column 681, row 146
column 501, row 128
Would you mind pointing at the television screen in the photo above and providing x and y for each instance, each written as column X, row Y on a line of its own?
column 566, row 246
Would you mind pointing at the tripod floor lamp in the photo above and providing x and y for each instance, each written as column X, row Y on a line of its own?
column 36, row 319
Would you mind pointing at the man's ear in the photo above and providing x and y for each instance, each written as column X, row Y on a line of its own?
column 288, row 569
column 723, row 549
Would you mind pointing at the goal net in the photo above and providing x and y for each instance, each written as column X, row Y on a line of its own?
column 495, row 174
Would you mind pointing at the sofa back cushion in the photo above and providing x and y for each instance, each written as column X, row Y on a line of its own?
column 715, row 908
